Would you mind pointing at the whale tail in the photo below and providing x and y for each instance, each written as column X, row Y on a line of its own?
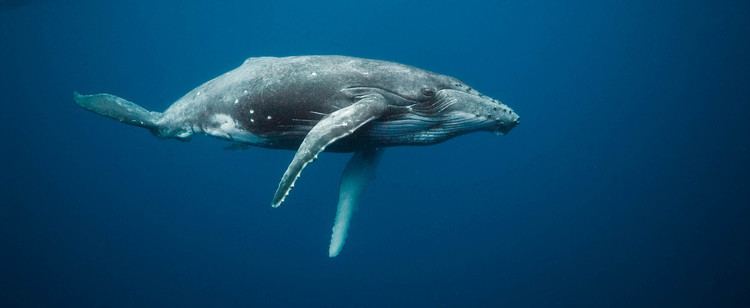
column 119, row 109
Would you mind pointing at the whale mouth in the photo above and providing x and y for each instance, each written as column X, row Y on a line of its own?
column 503, row 128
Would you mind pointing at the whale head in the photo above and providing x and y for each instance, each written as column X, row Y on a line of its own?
column 466, row 110
column 440, row 107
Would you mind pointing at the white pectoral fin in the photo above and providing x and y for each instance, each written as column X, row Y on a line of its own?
column 359, row 171
column 335, row 126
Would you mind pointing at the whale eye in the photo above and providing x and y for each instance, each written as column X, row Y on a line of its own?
column 429, row 92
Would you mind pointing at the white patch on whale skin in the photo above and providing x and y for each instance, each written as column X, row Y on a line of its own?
column 224, row 126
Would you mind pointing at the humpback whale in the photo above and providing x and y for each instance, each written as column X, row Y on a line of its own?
column 313, row 104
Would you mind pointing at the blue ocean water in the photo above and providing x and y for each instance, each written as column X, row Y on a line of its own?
column 626, row 185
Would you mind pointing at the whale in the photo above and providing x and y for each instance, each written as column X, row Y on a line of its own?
column 318, row 103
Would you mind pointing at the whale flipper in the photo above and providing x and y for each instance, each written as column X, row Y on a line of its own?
column 357, row 174
column 119, row 109
column 335, row 126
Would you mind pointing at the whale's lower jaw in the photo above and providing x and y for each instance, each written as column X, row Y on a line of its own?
column 414, row 129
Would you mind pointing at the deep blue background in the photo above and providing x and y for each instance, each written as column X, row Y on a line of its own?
column 626, row 184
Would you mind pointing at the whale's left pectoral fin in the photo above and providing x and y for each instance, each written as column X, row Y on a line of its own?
column 335, row 126
column 358, row 172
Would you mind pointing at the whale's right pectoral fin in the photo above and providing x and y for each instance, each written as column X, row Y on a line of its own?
column 335, row 126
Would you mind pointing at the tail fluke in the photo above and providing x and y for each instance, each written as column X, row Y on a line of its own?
column 119, row 109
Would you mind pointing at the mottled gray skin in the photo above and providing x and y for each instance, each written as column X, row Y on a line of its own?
column 297, row 92
column 316, row 103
